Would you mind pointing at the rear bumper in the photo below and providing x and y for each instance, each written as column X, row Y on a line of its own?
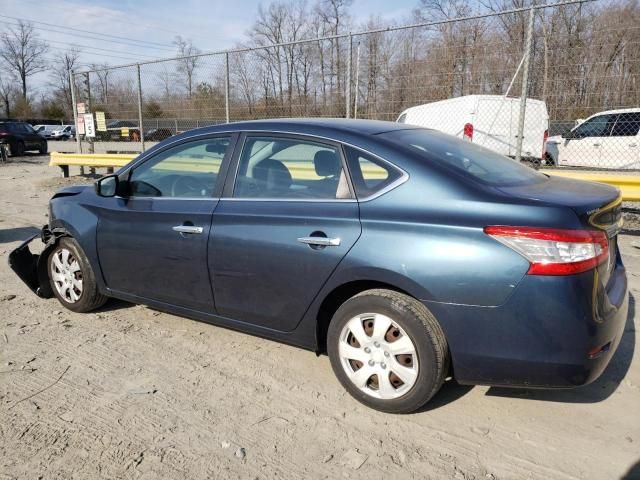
column 553, row 332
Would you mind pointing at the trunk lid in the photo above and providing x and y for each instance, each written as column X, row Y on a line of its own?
column 597, row 205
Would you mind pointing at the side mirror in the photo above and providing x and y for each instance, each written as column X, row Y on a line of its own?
column 569, row 135
column 107, row 186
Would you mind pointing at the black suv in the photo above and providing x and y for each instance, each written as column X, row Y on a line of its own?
column 21, row 137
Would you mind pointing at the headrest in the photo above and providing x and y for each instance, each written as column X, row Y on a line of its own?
column 274, row 173
column 326, row 163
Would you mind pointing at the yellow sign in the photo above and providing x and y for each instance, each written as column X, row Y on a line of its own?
column 101, row 122
column 124, row 131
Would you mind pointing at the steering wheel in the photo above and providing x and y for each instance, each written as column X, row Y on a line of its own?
column 187, row 186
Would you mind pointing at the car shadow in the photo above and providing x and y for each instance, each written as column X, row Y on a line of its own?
column 448, row 393
column 112, row 305
column 595, row 392
column 633, row 473
column 8, row 235
column 28, row 157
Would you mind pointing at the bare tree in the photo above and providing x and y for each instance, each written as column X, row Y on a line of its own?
column 187, row 63
column 63, row 64
column 24, row 52
column 8, row 93
column 335, row 16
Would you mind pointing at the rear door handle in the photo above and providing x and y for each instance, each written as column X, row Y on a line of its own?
column 596, row 144
column 322, row 241
column 632, row 145
column 187, row 229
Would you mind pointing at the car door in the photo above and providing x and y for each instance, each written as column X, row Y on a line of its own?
column 287, row 219
column 582, row 148
column 152, row 241
column 32, row 140
column 620, row 148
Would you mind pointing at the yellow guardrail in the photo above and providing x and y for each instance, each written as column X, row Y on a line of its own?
column 95, row 160
column 629, row 185
column 303, row 171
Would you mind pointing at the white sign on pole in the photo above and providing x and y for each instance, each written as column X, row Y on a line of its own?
column 80, row 125
column 89, row 126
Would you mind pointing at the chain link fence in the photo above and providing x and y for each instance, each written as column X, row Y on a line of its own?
column 557, row 85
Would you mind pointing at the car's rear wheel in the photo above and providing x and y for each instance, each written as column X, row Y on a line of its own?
column 72, row 279
column 549, row 161
column 388, row 350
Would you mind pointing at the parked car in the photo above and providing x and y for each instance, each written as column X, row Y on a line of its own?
column 487, row 120
column 21, row 137
column 608, row 139
column 406, row 254
column 158, row 134
column 46, row 130
column 64, row 132
column 120, row 131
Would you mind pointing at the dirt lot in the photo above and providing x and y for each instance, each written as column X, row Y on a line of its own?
column 129, row 392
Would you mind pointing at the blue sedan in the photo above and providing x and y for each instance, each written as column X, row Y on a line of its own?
column 406, row 255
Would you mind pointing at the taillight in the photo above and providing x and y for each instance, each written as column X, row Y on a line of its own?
column 544, row 143
column 553, row 251
column 467, row 133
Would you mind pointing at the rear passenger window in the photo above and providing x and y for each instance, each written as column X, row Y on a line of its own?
column 369, row 174
column 287, row 168
column 627, row 125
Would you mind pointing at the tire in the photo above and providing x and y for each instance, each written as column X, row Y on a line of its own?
column 424, row 370
column 17, row 150
column 43, row 148
column 549, row 161
column 78, row 296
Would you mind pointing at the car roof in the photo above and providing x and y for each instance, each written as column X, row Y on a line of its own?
column 620, row 110
column 326, row 126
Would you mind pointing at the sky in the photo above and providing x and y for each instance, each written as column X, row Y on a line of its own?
column 144, row 29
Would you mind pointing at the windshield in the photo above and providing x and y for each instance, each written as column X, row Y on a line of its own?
column 471, row 160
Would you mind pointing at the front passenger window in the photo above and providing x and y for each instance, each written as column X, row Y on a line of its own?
column 599, row 126
column 189, row 170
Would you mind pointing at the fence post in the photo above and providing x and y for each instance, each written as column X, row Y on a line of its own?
column 348, row 89
column 140, row 108
column 226, row 85
column 525, row 82
column 355, row 90
column 72, row 87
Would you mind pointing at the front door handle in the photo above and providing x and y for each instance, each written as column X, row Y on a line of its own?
column 320, row 241
column 633, row 145
column 596, row 144
column 187, row 229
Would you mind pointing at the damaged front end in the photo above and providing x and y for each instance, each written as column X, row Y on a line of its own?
column 31, row 267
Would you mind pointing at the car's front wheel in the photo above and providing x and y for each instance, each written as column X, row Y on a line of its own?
column 17, row 149
column 72, row 279
column 388, row 350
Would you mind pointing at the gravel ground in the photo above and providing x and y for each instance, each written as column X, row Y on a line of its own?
column 129, row 392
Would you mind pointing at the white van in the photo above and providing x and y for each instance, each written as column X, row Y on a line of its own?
column 488, row 120
column 608, row 139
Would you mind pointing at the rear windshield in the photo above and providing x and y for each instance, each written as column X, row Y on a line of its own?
column 471, row 160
